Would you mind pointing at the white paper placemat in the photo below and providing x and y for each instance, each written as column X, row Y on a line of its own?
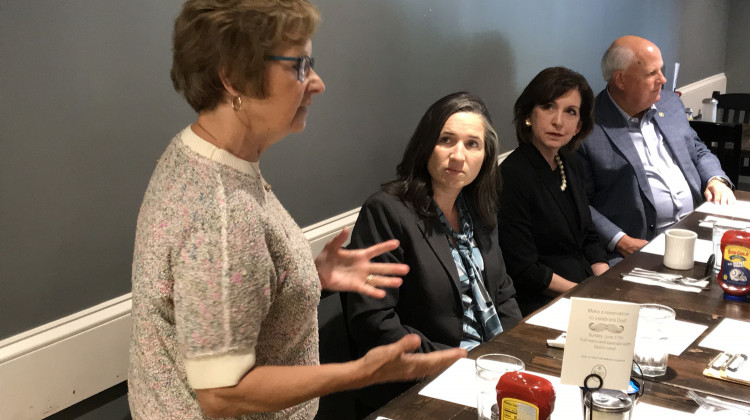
column 457, row 385
column 709, row 221
column 554, row 316
column 681, row 335
column 650, row 412
column 731, row 335
column 739, row 209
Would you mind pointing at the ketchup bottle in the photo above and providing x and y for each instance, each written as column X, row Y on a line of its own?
column 734, row 276
column 521, row 395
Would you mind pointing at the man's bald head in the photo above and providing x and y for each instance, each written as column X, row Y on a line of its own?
column 622, row 52
column 632, row 68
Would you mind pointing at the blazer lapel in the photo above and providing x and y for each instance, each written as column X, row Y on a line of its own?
column 491, row 263
column 680, row 154
column 615, row 128
column 435, row 236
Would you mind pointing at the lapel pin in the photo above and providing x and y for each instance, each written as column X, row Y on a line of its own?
column 661, row 114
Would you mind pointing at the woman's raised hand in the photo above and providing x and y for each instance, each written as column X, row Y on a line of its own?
column 396, row 362
column 343, row 270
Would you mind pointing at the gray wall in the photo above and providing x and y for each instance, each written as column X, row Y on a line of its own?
column 737, row 63
column 702, row 37
column 86, row 107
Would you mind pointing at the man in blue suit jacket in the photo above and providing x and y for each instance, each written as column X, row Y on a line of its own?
column 645, row 168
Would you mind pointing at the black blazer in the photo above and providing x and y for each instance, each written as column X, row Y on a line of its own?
column 540, row 232
column 429, row 302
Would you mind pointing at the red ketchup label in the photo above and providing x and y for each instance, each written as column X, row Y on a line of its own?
column 523, row 396
column 734, row 276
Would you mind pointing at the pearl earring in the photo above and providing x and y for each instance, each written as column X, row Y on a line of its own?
column 237, row 103
column 528, row 122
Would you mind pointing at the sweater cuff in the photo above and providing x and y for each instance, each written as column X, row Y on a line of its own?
column 218, row 371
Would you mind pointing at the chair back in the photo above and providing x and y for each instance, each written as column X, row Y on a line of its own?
column 725, row 141
column 733, row 107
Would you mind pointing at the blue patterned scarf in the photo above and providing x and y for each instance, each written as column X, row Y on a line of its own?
column 484, row 310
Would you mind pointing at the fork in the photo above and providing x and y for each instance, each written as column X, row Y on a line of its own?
column 671, row 278
column 708, row 272
column 710, row 403
column 677, row 278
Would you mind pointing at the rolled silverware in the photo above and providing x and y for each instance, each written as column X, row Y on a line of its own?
column 669, row 278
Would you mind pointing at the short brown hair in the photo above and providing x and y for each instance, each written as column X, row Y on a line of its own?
column 230, row 38
column 550, row 84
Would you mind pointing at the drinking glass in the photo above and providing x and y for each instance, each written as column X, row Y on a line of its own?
column 489, row 369
column 651, row 350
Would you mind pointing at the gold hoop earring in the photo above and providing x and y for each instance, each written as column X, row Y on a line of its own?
column 528, row 122
column 236, row 103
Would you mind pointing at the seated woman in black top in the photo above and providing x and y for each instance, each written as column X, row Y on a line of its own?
column 544, row 222
column 442, row 209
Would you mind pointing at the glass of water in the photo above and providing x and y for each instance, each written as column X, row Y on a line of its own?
column 651, row 349
column 489, row 369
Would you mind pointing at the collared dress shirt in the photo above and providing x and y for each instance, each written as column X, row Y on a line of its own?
column 670, row 190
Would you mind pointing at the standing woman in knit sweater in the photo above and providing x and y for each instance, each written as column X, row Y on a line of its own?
column 225, row 289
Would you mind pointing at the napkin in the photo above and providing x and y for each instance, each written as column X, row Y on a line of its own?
column 667, row 285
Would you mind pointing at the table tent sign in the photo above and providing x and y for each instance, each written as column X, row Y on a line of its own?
column 601, row 341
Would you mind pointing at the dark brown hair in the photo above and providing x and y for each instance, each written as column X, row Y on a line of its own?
column 230, row 39
column 550, row 84
column 413, row 184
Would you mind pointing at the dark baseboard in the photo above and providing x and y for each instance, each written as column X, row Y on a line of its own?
column 112, row 403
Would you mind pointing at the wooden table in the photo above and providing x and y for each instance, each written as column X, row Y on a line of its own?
column 529, row 342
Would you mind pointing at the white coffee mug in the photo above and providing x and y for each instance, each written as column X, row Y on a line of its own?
column 679, row 248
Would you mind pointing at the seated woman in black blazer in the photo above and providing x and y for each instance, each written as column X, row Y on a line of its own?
column 544, row 222
column 442, row 209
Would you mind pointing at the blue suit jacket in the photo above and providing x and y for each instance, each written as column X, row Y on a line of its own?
column 619, row 193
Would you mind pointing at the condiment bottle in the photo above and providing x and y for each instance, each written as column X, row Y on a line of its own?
column 521, row 395
column 607, row 404
column 734, row 276
column 709, row 109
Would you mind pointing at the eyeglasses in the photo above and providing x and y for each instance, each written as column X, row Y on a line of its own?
column 303, row 64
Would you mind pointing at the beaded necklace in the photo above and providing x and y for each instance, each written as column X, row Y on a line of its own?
column 561, row 167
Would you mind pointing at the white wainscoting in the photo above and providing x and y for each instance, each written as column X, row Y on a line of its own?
column 54, row 366
column 49, row 368
column 694, row 93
